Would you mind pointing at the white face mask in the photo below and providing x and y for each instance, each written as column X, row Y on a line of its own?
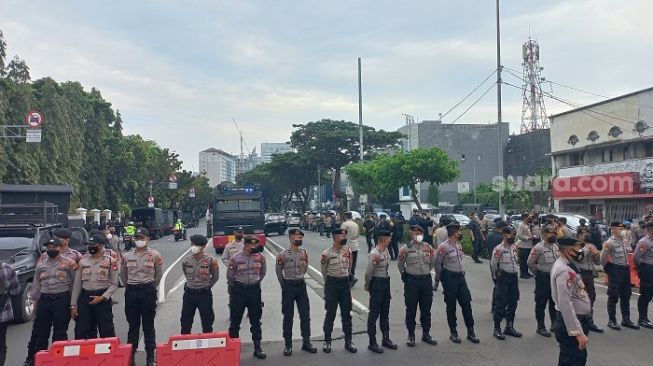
column 419, row 238
column 140, row 243
column 195, row 249
column 109, row 236
column 622, row 232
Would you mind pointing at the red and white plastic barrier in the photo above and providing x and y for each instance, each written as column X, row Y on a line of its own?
column 207, row 349
column 91, row 352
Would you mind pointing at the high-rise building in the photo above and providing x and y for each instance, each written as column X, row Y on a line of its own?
column 218, row 166
column 270, row 148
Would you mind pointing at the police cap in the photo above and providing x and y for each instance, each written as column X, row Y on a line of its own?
column 63, row 233
column 142, row 232
column 53, row 242
column 452, row 228
column 500, row 224
column 338, row 231
column 295, row 232
column 97, row 239
column 417, row 228
column 198, row 239
column 508, row 230
column 250, row 240
column 239, row 229
column 384, row 233
column 566, row 241
column 617, row 224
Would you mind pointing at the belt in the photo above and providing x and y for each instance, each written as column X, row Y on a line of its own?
column 382, row 279
column 244, row 285
column 418, row 277
column 197, row 290
column 294, row 282
column 93, row 292
column 621, row 268
column 544, row 273
column 338, row 279
column 455, row 274
column 57, row 296
column 587, row 271
column 505, row 273
column 140, row 285
column 581, row 317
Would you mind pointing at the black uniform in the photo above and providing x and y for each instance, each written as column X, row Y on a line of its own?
column 370, row 227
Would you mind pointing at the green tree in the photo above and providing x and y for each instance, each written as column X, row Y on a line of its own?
column 18, row 71
column 3, row 54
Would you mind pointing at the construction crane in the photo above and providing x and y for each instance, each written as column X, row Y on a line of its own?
column 240, row 166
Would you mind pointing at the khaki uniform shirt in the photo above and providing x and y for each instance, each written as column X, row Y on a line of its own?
column 569, row 294
column 291, row 265
column 96, row 274
column 416, row 258
column 542, row 257
column 232, row 249
column 336, row 263
column 141, row 268
column 53, row 276
column 201, row 271
column 449, row 256
column 377, row 265
column 504, row 259
column 246, row 269
column 615, row 252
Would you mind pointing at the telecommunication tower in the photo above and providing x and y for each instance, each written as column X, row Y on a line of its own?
column 533, row 112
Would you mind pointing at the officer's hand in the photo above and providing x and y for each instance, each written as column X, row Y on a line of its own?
column 367, row 288
column 96, row 299
column 73, row 313
column 403, row 276
column 582, row 341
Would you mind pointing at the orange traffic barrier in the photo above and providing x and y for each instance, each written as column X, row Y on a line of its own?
column 634, row 277
column 207, row 349
column 91, row 352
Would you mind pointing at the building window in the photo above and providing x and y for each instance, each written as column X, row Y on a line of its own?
column 648, row 149
column 610, row 155
column 575, row 158
column 405, row 192
column 625, row 153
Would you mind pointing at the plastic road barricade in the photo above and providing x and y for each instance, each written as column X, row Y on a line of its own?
column 91, row 352
column 634, row 277
column 207, row 349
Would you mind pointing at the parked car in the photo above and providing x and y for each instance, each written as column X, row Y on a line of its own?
column 293, row 219
column 275, row 223
column 573, row 221
column 461, row 219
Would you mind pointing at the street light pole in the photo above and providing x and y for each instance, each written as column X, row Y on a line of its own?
column 478, row 158
column 360, row 108
column 499, row 119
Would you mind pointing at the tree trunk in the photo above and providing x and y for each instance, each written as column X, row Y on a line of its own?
column 413, row 194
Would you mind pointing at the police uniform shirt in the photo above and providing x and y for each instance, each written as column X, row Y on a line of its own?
column 615, row 250
column 377, row 266
column 504, row 259
column 644, row 251
column 352, row 234
column 96, row 274
column 70, row 254
column 542, row 257
column 53, row 276
column 231, row 249
column 416, row 258
column 450, row 257
column 590, row 261
column 292, row 265
column 524, row 236
column 140, row 269
column 200, row 271
column 570, row 296
column 246, row 269
column 336, row 263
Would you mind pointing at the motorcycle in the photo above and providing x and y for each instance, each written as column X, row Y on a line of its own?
column 128, row 243
column 179, row 234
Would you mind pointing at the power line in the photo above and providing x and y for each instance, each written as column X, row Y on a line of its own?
column 470, row 93
column 473, row 104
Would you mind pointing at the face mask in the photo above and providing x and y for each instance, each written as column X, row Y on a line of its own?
column 195, row 249
column 52, row 253
column 551, row 239
column 93, row 250
column 257, row 249
column 239, row 237
column 419, row 238
column 140, row 243
column 343, row 241
column 299, row 242
column 109, row 236
column 578, row 255
column 622, row 232
column 510, row 240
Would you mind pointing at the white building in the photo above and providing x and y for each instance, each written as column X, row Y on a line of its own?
column 270, row 148
column 602, row 157
column 218, row 165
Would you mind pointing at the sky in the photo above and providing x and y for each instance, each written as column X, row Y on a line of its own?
column 180, row 70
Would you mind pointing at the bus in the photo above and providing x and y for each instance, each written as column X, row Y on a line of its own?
column 235, row 207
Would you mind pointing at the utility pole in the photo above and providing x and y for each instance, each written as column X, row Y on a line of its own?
column 499, row 119
column 360, row 108
column 319, row 187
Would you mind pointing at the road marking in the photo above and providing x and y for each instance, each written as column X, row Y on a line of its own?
column 162, row 284
column 602, row 286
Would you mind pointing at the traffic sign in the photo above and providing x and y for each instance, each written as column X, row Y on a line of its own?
column 150, row 199
column 33, row 135
column 191, row 192
column 172, row 178
column 34, row 119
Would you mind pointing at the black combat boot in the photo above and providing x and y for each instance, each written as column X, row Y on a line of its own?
column 454, row 337
column 326, row 347
column 645, row 323
column 307, row 346
column 349, row 346
column 287, row 349
column 410, row 342
column 374, row 347
column 541, row 330
column 30, row 362
column 471, row 336
column 592, row 326
column 629, row 324
column 497, row 331
column 387, row 342
column 510, row 330
column 149, row 361
column 612, row 324
column 258, row 351
column 426, row 338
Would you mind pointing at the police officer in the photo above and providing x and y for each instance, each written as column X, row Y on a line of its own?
column 369, row 226
column 245, row 272
column 336, row 270
column 292, row 265
column 141, row 271
column 504, row 269
column 95, row 282
column 235, row 246
column 377, row 283
column 9, row 287
column 540, row 261
column 201, row 271
column 571, row 302
column 643, row 259
column 53, row 281
column 416, row 260
column 449, row 270
column 592, row 258
column 525, row 244
column 614, row 258
column 130, row 229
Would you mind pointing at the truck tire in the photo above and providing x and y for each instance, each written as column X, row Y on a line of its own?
column 23, row 305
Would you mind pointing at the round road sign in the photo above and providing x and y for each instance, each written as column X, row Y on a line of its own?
column 172, row 179
column 34, row 119
column 150, row 199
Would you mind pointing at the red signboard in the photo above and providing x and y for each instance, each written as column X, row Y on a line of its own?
column 617, row 184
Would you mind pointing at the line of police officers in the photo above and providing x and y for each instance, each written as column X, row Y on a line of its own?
column 68, row 285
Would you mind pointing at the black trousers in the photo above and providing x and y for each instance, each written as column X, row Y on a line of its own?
column 588, row 280
column 3, row 343
column 379, row 307
column 394, row 245
column 294, row 291
column 368, row 240
column 543, row 298
column 645, row 272
column 354, row 258
column 52, row 312
column 337, row 293
column 197, row 300
column 140, row 309
column 418, row 291
column 570, row 355
column 506, row 297
column 245, row 297
column 618, row 291
column 523, row 259
column 477, row 247
column 454, row 288
column 94, row 317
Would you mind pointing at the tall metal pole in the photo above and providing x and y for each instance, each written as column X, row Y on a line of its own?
column 475, row 180
column 360, row 108
column 499, row 120
column 319, row 187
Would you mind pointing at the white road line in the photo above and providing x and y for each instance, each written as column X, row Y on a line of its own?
column 162, row 284
column 603, row 286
